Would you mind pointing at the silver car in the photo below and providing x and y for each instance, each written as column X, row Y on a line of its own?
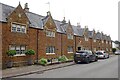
column 102, row 54
column 117, row 52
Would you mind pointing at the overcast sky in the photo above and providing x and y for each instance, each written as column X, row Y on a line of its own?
column 101, row 15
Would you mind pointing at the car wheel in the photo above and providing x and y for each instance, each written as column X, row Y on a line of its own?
column 104, row 57
column 76, row 61
column 96, row 59
column 108, row 56
column 87, row 60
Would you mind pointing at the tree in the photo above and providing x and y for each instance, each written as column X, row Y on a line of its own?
column 113, row 50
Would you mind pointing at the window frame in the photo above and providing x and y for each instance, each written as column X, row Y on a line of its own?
column 50, row 50
column 20, row 52
column 50, row 33
column 70, row 49
column 70, row 36
column 86, row 39
column 19, row 27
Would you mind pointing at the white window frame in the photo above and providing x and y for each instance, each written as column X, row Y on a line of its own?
column 70, row 36
column 21, row 52
column 13, row 26
column 50, row 33
column 102, row 41
column 50, row 50
column 110, row 43
column 23, row 28
column 18, row 28
column 94, row 40
column 70, row 49
column 95, row 49
column 86, row 39
column 106, row 42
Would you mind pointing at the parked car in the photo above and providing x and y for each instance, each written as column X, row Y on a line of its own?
column 102, row 54
column 117, row 52
column 85, row 56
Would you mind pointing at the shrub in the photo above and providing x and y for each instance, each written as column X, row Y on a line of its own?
column 113, row 50
column 62, row 58
column 30, row 52
column 11, row 52
column 43, row 61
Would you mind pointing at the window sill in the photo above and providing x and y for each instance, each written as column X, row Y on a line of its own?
column 70, row 52
column 50, row 53
column 19, row 55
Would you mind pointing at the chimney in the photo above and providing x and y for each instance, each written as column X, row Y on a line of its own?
column 64, row 21
column 48, row 13
column 26, row 7
column 78, row 25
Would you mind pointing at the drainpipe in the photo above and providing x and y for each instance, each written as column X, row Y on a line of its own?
column 61, row 44
column 37, row 45
column 75, row 43
column 91, row 44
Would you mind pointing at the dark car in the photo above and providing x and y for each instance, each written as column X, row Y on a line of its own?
column 85, row 56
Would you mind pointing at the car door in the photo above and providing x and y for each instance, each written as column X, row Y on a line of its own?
column 91, row 56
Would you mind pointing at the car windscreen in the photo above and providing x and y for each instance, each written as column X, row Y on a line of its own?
column 99, row 53
column 81, row 52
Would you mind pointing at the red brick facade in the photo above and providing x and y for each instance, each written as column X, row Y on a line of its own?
column 36, row 39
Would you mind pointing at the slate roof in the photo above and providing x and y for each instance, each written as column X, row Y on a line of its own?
column 98, row 35
column 90, row 34
column 78, row 31
column 37, row 21
column 5, row 12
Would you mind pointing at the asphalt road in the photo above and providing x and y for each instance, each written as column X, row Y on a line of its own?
column 104, row 68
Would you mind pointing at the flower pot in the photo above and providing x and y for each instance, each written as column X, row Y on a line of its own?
column 30, row 62
column 10, row 64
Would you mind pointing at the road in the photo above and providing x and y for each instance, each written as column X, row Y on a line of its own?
column 104, row 68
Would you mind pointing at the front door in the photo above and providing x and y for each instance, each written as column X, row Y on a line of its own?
column 79, row 48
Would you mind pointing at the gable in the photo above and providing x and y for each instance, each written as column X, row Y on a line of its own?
column 86, row 32
column 69, row 29
column 18, row 15
column 49, row 23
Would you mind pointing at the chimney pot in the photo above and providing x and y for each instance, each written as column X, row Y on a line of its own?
column 26, row 7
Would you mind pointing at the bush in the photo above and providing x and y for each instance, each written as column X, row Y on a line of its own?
column 113, row 50
column 30, row 52
column 11, row 52
column 62, row 58
column 43, row 61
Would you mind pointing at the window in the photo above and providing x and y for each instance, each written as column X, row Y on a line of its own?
column 18, row 28
column 50, row 50
column 23, row 29
column 20, row 49
column 110, row 43
column 70, row 49
column 14, row 28
column 86, row 39
column 102, row 41
column 95, row 49
column 70, row 36
column 106, row 49
column 106, row 42
column 50, row 33
column 94, row 40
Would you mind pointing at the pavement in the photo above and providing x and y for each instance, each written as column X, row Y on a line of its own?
column 103, row 68
column 25, row 70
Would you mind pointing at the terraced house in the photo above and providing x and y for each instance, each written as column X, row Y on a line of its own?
column 22, row 30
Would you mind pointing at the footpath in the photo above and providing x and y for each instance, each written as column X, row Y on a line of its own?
column 25, row 70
